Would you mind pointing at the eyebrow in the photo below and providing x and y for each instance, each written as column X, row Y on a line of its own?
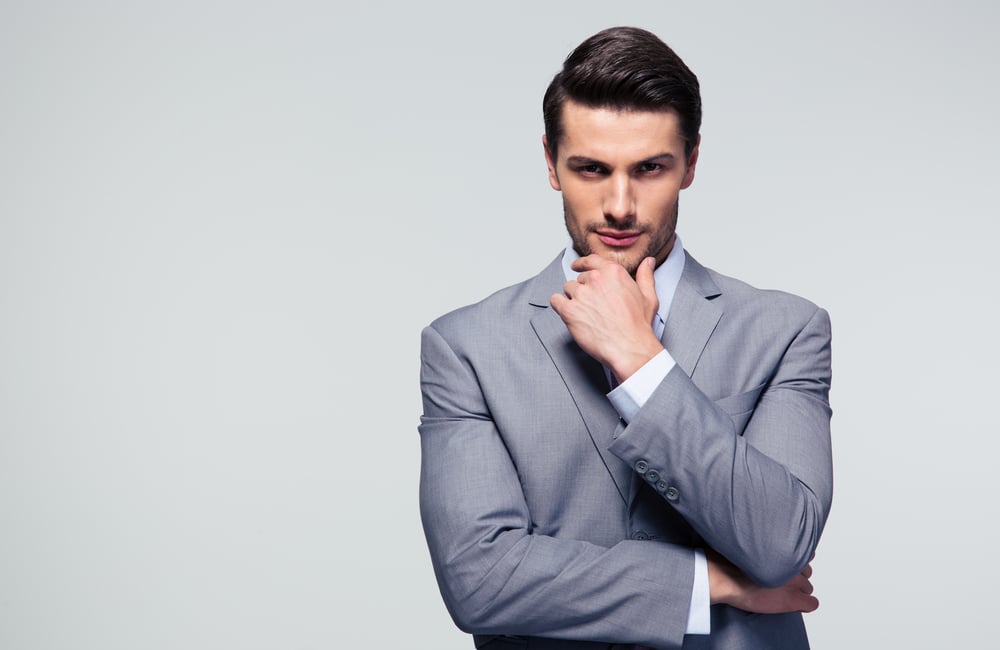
column 583, row 160
column 665, row 156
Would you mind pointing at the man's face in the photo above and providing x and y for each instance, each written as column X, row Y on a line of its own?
column 620, row 173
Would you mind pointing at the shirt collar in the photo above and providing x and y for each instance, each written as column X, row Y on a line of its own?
column 666, row 275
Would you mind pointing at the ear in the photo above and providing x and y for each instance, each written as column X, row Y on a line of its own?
column 691, row 164
column 553, row 177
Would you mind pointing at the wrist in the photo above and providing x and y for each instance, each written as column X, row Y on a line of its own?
column 722, row 579
column 634, row 357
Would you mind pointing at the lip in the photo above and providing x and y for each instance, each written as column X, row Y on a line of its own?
column 617, row 238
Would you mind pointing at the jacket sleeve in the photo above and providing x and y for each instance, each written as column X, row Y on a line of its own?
column 759, row 495
column 495, row 575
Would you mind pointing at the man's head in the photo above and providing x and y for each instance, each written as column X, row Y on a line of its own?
column 621, row 141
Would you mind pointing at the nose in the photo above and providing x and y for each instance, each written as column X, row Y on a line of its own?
column 619, row 200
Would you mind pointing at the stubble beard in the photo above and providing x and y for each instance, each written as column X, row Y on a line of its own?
column 657, row 243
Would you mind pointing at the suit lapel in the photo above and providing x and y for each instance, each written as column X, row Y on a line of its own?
column 693, row 316
column 583, row 376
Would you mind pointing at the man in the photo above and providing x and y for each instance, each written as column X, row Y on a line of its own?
column 628, row 448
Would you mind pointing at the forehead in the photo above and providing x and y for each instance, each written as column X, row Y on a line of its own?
column 610, row 134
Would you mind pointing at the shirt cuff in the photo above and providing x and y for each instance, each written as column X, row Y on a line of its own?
column 699, row 614
column 630, row 395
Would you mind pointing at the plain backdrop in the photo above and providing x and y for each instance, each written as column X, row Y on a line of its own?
column 223, row 225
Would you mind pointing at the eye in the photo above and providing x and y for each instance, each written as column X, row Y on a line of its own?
column 649, row 168
column 592, row 169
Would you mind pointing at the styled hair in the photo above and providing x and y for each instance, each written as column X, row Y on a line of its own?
column 624, row 68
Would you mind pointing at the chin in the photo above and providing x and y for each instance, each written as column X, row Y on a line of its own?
column 629, row 259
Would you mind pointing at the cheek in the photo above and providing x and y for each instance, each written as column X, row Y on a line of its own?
column 583, row 201
column 659, row 203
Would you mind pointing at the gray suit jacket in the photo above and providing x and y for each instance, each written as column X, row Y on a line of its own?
column 551, row 524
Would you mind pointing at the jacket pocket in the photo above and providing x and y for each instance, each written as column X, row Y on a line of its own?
column 740, row 406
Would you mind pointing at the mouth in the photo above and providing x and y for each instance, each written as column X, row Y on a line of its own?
column 617, row 238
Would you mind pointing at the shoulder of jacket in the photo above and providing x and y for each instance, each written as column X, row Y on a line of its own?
column 742, row 295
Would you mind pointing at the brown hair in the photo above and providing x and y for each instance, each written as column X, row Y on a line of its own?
column 624, row 68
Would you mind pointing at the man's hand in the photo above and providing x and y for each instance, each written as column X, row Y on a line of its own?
column 610, row 315
column 727, row 584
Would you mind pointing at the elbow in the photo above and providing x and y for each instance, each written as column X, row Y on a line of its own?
column 774, row 575
column 464, row 604
column 778, row 558
column 469, row 583
column 776, row 565
column 775, row 551
column 463, row 595
column 472, row 618
column 472, row 609
column 464, row 617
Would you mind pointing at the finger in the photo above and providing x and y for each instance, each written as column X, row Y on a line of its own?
column 807, row 571
column 644, row 279
column 590, row 263
column 798, row 583
column 802, row 599
column 571, row 288
column 558, row 303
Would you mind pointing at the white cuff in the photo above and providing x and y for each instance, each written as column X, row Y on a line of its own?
column 630, row 395
column 699, row 614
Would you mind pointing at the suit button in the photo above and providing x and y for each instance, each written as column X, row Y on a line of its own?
column 652, row 476
column 662, row 486
column 640, row 535
column 672, row 494
column 642, row 466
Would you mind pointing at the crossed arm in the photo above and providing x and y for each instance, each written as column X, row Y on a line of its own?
column 608, row 313
column 496, row 573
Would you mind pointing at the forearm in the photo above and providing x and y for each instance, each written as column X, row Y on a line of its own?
column 723, row 582
column 747, row 505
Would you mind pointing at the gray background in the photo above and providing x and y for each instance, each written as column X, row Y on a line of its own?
column 223, row 225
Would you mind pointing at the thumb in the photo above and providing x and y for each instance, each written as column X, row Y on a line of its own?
column 644, row 279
